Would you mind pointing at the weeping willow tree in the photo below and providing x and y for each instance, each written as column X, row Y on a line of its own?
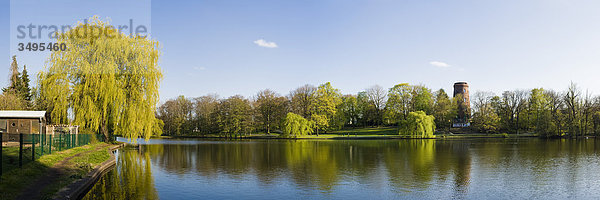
column 105, row 81
column 418, row 125
column 295, row 125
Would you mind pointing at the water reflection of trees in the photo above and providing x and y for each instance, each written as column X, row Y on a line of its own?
column 321, row 164
column 406, row 165
column 131, row 179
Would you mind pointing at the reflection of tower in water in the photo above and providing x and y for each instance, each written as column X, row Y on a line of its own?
column 462, row 172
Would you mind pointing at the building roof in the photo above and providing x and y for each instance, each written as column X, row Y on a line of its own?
column 22, row 114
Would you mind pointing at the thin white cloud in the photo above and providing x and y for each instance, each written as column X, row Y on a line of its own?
column 264, row 43
column 439, row 64
column 199, row 68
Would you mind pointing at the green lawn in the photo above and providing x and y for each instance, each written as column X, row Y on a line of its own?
column 10, row 158
column 366, row 133
column 15, row 180
column 378, row 131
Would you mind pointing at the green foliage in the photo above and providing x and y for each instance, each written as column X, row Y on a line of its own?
column 205, row 110
column 596, row 123
column 158, row 127
column 367, row 111
column 271, row 109
column 10, row 100
column 295, row 125
column 442, row 108
column 320, row 121
column 14, row 80
column 484, row 119
column 418, row 125
column 540, row 112
column 348, row 112
column 399, row 102
column 302, row 99
column 17, row 96
column 422, row 99
column 23, row 88
column 487, row 122
column 176, row 114
column 404, row 98
column 325, row 105
column 108, row 82
column 235, row 116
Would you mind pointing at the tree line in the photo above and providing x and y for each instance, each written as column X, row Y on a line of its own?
column 119, row 94
column 545, row 112
column 308, row 109
column 312, row 109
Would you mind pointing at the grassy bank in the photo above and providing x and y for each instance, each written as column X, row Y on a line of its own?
column 51, row 172
column 358, row 133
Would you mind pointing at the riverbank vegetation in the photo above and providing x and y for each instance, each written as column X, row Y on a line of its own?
column 46, row 175
column 537, row 111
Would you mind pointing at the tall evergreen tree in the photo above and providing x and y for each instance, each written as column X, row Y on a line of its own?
column 15, row 77
column 24, row 89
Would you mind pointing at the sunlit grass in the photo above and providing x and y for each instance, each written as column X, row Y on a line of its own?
column 14, row 181
column 374, row 131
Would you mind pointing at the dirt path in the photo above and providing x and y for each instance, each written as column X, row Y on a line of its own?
column 34, row 191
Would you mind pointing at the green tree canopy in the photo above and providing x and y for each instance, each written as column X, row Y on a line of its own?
column 271, row 109
column 325, row 104
column 295, row 125
column 235, row 115
column 422, row 99
column 107, row 81
column 418, row 125
column 442, row 109
column 176, row 113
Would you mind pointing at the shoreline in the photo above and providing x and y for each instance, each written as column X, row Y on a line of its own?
column 48, row 175
column 359, row 137
column 79, row 188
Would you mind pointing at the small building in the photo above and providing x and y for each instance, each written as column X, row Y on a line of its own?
column 20, row 121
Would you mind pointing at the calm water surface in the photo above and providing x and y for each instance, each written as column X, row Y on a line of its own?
column 359, row 169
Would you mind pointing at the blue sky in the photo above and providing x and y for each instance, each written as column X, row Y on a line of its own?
column 210, row 46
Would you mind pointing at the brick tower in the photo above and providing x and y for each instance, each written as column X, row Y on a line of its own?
column 464, row 105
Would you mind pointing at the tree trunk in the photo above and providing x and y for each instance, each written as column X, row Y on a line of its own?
column 104, row 130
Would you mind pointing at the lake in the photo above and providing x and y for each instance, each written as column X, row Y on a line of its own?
column 355, row 169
